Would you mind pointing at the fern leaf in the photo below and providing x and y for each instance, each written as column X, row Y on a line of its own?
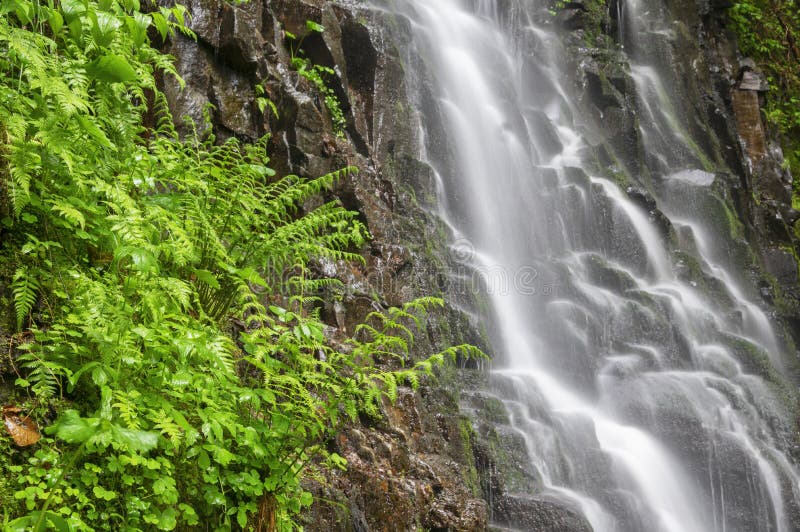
column 24, row 288
column 69, row 212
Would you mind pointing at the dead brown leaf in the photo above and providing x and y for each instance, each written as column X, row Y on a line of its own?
column 22, row 429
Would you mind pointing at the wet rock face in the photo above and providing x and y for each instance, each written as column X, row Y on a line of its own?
column 544, row 516
column 748, row 121
column 723, row 94
column 404, row 473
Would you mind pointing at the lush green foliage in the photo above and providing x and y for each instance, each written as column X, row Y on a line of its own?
column 769, row 32
column 164, row 311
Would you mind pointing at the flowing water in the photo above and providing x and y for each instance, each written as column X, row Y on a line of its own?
column 648, row 399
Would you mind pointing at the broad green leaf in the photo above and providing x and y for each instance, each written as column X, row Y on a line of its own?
column 7, row 6
column 135, row 440
column 111, row 68
column 56, row 21
column 131, row 5
column 58, row 522
column 252, row 276
column 142, row 259
column 75, row 28
column 24, row 12
column 168, row 519
column 314, row 26
column 72, row 428
column 104, row 27
column 137, row 25
column 72, row 9
column 28, row 522
column 160, row 22
column 21, row 524
column 181, row 379
column 178, row 12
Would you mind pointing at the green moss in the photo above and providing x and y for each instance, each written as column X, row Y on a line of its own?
column 753, row 359
column 470, row 474
column 508, row 453
column 734, row 226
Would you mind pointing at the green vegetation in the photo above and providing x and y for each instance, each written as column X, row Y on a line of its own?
column 166, row 322
column 769, row 32
column 317, row 74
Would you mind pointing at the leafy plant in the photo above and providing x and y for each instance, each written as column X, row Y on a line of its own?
column 317, row 75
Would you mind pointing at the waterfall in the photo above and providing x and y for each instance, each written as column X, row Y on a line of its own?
column 645, row 401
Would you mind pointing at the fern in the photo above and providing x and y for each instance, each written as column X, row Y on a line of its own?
column 24, row 289
column 43, row 375
column 126, row 405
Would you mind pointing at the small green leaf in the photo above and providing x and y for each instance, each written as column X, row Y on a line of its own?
column 313, row 26
column 168, row 519
column 241, row 517
column 306, row 498
column 102, row 493
column 203, row 460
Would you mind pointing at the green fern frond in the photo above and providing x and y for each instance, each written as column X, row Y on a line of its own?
column 24, row 288
column 167, row 427
column 69, row 212
column 127, row 408
column 43, row 375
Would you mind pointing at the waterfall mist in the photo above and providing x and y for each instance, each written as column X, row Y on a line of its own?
column 645, row 400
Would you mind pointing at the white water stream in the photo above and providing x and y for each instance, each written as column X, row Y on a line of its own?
column 635, row 390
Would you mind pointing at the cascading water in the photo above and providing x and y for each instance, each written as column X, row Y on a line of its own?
column 645, row 401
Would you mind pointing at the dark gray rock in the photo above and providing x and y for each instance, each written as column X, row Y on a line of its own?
column 782, row 265
column 528, row 513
